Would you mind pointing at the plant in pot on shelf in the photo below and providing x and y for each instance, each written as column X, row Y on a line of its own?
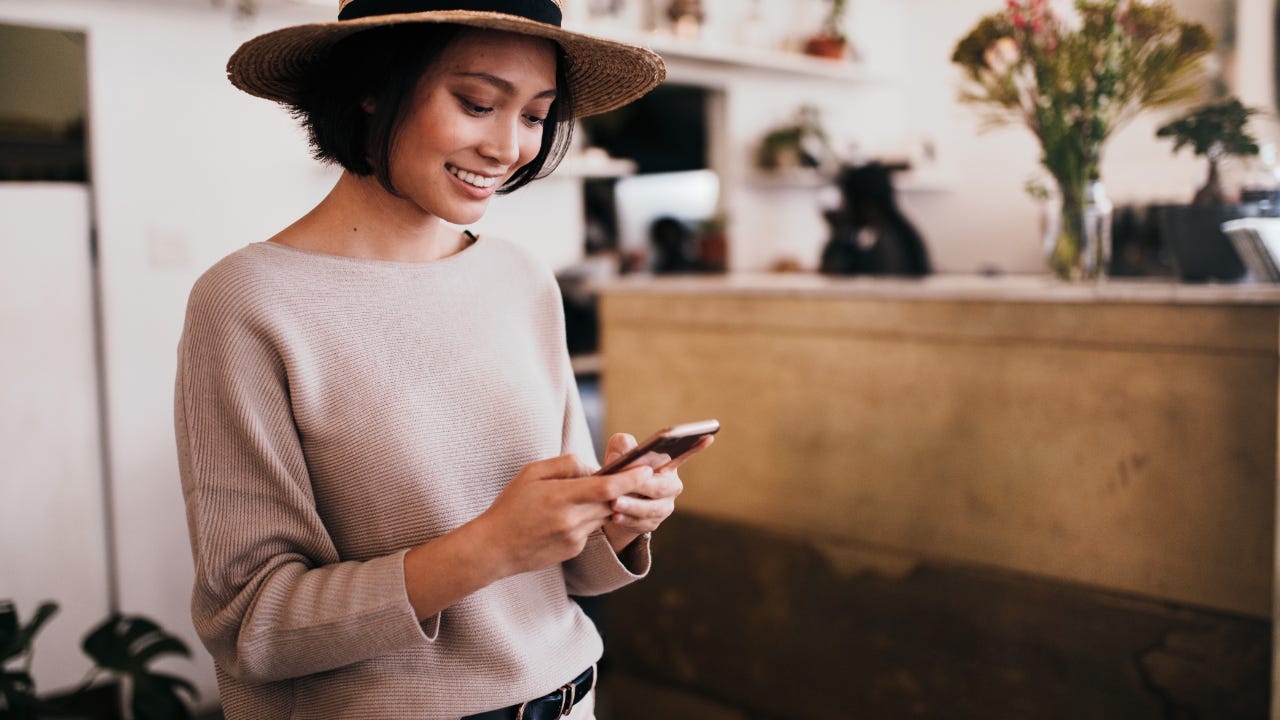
column 1073, row 77
column 121, row 647
column 1193, row 233
column 830, row 42
column 1215, row 131
column 799, row 145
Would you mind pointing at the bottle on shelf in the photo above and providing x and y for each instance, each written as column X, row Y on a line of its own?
column 1260, row 189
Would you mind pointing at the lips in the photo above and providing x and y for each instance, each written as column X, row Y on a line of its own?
column 472, row 179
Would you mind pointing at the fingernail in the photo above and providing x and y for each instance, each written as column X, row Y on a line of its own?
column 621, row 504
column 610, row 457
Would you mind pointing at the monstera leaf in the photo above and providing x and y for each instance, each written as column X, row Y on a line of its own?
column 15, row 641
column 125, row 645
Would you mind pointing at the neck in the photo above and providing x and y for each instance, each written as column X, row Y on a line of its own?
column 360, row 219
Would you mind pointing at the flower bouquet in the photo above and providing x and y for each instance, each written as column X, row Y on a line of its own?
column 1073, row 74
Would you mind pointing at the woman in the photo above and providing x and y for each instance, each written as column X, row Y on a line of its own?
column 384, row 459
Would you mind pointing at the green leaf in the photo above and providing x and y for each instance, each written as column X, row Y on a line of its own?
column 9, row 646
column 43, row 613
column 127, row 643
column 19, row 693
column 155, row 697
column 15, row 638
column 167, row 645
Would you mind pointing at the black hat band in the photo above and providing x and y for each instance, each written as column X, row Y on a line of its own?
column 542, row 11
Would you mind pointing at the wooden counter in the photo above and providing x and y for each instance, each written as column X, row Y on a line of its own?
column 1115, row 438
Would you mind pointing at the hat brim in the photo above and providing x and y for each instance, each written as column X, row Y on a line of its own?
column 603, row 74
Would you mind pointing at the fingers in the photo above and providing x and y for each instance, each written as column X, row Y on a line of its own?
column 664, row 484
column 607, row 488
column 639, row 515
column 619, row 443
column 640, row 508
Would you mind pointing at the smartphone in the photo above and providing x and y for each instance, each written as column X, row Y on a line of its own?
column 672, row 442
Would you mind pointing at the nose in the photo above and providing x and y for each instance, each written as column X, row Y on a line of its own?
column 502, row 142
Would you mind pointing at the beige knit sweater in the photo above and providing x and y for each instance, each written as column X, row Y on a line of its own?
column 332, row 413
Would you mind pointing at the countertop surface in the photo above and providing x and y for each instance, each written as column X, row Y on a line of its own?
column 962, row 288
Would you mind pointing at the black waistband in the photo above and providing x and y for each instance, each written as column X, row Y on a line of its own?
column 543, row 11
column 547, row 707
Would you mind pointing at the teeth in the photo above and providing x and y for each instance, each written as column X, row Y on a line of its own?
column 471, row 178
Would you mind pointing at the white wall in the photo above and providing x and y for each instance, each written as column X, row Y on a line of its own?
column 184, row 170
column 52, row 534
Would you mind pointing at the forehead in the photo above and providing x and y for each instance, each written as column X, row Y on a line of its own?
column 500, row 53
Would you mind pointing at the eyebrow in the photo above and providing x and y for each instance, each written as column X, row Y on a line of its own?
column 504, row 85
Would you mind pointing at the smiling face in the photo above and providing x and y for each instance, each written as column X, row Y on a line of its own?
column 475, row 118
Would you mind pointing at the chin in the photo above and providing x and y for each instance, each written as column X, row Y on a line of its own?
column 467, row 216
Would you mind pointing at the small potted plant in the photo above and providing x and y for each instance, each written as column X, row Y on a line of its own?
column 831, row 42
column 1214, row 131
column 798, row 145
column 1193, row 232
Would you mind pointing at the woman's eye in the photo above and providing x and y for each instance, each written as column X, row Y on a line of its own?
column 473, row 108
column 535, row 120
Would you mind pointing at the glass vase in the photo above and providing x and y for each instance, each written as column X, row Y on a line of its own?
column 1077, row 239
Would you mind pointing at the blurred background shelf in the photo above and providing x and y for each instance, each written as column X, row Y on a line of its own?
column 766, row 60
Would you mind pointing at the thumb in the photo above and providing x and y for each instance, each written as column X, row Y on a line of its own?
column 619, row 443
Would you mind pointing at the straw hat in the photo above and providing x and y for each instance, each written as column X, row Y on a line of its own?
column 603, row 74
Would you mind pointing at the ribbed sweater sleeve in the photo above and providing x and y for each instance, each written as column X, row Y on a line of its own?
column 272, row 599
column 598, row 569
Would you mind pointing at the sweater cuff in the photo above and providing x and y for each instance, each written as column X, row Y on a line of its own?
column 634, row 557
column 599, row 570
column 428, row 629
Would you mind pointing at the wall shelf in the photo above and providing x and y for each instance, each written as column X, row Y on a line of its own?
column 772, row 61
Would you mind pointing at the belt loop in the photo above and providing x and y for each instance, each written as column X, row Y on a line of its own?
column 568, row 696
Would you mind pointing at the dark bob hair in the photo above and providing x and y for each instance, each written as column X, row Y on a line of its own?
column 384, row 64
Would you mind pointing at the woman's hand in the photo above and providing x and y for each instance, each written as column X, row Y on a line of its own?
column 542, row 518
column 644, row 509
column 547, row 512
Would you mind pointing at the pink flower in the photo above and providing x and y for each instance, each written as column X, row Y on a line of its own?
column 1015, row 14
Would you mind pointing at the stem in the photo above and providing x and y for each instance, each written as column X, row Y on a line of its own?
column 87, row 682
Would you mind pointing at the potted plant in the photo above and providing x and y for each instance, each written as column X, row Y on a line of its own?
column 800, row 144
column 1193, row 233
column 1073, row 78
column 1213, row 131
column 121, row 647
column 831, row 42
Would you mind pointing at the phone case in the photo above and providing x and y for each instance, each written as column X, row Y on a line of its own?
column 673, row 442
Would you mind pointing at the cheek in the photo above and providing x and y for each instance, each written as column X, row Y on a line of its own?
column 530, row 144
